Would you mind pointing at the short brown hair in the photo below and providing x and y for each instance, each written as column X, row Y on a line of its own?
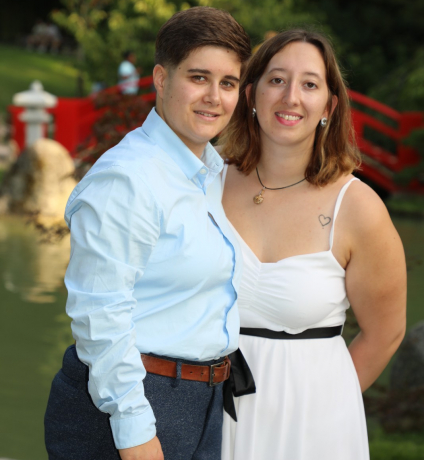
column 334, row 152
column 200, row 26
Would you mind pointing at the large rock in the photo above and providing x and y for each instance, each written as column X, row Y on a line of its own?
column 39, row 183
column 402, row 409
column 408, row 367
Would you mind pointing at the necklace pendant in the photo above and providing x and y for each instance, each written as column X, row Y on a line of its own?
column 257, row 199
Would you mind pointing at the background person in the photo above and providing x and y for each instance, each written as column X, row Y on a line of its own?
column 153, row 267
column 38, row 37
column 128, row 74
column 314, row 241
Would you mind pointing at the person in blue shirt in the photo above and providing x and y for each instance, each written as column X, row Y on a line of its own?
column 128, row 73
column 154, row 267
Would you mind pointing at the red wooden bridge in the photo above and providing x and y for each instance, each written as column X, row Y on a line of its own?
column 379, row 129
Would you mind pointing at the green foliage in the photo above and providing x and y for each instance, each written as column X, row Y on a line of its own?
column 411, row 205
column 379, row 43
column 403, row 87
column 416, row 140
column 260, row 16
column 18, row 68
column 104, row 29
column 376, row 36
column 396, row 446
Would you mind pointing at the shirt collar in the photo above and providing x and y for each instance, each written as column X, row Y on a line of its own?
column 156, row 128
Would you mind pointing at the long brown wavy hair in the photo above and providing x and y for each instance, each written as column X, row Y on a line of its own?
column 334, row 151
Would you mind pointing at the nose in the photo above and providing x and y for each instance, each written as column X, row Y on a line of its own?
column 291, row 95
column 213, row 95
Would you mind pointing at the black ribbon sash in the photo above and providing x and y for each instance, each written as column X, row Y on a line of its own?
column 315, row 333
column 240, row 382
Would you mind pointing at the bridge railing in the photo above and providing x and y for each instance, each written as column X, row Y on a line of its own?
column 379, row 129
column 73, row 118
column 380, row 132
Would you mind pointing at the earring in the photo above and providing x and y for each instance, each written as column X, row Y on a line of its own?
column 324, row 122
column 254, row 112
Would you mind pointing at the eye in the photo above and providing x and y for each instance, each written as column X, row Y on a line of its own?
column 198, row 78
column 277, row 81
column 228, row 84
column 311, row 85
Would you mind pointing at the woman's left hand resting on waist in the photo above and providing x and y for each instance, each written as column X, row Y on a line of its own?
column 375, row 280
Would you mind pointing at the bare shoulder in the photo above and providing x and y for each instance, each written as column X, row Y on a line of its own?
column 363, row 213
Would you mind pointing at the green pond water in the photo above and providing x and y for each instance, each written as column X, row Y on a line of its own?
column 34, row 330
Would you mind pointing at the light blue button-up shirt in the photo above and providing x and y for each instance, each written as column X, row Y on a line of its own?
column 152, row 269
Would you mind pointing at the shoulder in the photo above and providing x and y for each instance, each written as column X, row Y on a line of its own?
column 364, row 206
column 135, row 155
column 364, row 216
column 130, row 168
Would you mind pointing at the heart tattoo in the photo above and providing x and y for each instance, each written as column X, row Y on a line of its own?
column 324, row 220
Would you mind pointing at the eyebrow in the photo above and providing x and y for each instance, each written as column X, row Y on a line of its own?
column 311, row 74
column 208, row 72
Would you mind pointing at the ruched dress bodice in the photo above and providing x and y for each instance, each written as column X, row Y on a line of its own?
column 293, row 294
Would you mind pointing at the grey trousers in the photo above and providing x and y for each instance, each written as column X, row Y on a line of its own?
column 188, row 417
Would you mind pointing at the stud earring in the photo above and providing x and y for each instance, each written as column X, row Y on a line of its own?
column 324, row 122
column 253, row 112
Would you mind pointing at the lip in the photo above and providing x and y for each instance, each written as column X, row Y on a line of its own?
column 212, row 115
column 285, row 122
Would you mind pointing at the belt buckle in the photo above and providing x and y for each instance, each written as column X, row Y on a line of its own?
column 212, row 374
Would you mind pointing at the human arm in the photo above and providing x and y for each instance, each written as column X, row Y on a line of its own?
column 114, row 226
column 375, row 282
column 151, row 450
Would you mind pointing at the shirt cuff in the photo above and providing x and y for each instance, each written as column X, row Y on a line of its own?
column 133, row 431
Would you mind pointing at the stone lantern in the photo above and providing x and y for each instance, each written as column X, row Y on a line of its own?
column 35, row 117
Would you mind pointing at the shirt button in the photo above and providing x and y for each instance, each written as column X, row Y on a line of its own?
column 203, row 171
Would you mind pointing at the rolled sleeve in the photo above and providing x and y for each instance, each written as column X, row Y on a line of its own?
column 115, row 224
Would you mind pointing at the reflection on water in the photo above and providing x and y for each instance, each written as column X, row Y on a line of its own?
column 34, row 329
column 34, row 332
column 34, row 271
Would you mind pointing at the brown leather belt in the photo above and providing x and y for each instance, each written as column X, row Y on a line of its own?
column 213, row 374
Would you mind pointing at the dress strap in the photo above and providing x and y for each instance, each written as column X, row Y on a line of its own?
column 223, row 177
column 337, row 207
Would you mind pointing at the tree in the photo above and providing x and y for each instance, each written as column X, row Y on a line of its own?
column 403, row 87
column 259, row 16
column 376, row 38
column 104, row 29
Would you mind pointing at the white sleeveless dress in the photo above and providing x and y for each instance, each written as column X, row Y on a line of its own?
column 308, row 403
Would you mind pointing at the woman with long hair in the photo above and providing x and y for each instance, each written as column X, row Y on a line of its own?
column 315, row 240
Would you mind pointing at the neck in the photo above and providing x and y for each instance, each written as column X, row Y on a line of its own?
column 195, row 148
column 280, row 166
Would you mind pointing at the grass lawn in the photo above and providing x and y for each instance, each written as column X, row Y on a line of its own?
column 395, row 446
column 18, row 68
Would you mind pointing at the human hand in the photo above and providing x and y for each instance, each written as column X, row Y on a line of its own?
column 151, row 450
